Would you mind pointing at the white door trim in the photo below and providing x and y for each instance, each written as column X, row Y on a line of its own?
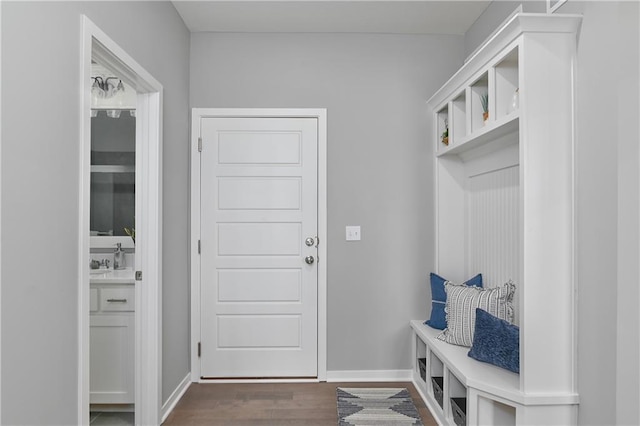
column 321, row 115
column 0, row 219
column 148, row 293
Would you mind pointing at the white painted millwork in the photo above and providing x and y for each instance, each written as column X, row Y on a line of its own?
column 505, row 208
column 112, row 343
column 259, row 202
column 147, row 374
column 175, row 397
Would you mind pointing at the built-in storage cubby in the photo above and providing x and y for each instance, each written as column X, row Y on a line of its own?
column 442, row 125
column 480, row 102
column 483, row 111
column 504, row 205
column 495, row 412
column 507, row 88
column 459, row 410
column 436, row 376
column 456, row 388
column 453, row 378
column 457, row 393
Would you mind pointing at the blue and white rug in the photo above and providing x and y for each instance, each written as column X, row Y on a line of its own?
column 376, row 406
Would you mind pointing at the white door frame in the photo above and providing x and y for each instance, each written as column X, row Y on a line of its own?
column 0, row 218
column 321, row 115
column 148, row 292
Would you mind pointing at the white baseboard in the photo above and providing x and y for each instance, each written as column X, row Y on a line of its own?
column 257, row 380
column 175, row 396
column 369, row 376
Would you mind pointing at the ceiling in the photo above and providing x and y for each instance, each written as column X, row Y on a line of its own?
column 331, row 16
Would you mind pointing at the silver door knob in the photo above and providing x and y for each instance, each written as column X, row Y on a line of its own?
column 309, row 260
column 309, row 241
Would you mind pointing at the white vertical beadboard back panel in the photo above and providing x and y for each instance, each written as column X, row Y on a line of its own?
column 493, row 245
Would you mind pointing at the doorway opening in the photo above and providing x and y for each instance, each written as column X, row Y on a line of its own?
column 119, row 308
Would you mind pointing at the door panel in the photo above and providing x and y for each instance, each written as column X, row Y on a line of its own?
column 259, row 285
column 259, row 239
column 258, row 205
column 259, row 194
column 256, row 331
column 270, row 147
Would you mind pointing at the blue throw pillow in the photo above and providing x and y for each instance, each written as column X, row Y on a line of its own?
column 438, row 318
column 496, row 341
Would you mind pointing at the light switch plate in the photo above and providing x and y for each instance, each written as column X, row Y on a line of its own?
column 353, row 233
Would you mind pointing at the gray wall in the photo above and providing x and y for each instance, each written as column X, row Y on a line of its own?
column 379, row 164
column 608, row 212
column 493, row 16
column 41, row 45
column 607, row 206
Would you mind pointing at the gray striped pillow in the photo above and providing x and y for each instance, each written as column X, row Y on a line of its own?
column 462, row 302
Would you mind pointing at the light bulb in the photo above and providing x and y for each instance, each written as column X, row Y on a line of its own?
column 118, row 95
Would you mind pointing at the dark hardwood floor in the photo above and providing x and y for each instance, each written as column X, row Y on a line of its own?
column 273, row 404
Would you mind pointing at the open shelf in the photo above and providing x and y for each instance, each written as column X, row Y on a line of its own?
column 492, row 133
column 495, row 412
column 467, row 371
column 507, row 86
column 478, row 90
column 457, row 398
column 435, row 378
column 442, row 127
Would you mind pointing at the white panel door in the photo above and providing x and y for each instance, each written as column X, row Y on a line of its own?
column 259, row 300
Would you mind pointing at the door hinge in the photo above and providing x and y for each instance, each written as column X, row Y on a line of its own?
column 200, row 144
column 199, row 349
column 138, row 275
column 199, row 247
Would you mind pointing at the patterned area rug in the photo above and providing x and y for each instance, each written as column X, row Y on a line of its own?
column 376, row 406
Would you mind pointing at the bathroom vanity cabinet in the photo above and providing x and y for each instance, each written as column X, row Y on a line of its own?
column 112, row 331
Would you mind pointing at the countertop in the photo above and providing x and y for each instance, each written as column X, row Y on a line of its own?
column 111, row 276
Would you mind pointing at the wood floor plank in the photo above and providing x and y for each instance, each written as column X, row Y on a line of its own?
column 271, row 404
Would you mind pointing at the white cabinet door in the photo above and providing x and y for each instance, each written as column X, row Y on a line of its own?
column 112, row 358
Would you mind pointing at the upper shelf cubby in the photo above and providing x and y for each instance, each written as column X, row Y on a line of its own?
column 442, row 127
column 484, row 111
column 507, row 89
column 482, row 100
column 495, row 133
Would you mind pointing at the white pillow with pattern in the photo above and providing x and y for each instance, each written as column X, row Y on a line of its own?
column 462, row 302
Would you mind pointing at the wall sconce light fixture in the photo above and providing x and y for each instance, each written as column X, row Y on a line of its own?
column 107, row 93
